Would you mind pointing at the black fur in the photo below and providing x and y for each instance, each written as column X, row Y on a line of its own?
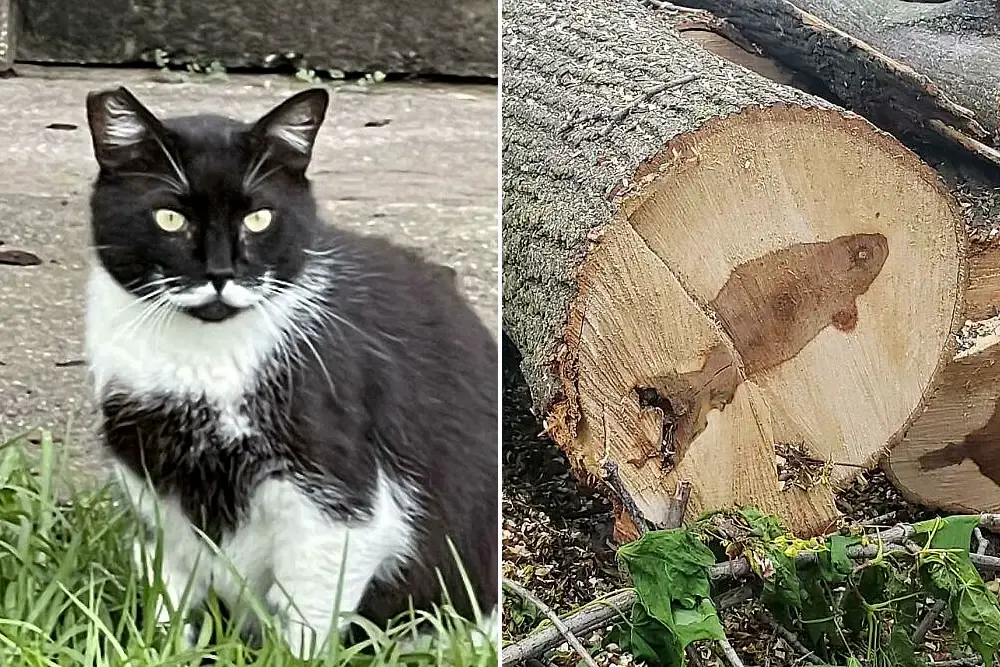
column 409, row 386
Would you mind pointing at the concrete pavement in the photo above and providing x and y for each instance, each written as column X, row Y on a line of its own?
column 428, row 179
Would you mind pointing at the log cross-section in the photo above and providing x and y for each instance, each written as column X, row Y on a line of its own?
column 703, row 268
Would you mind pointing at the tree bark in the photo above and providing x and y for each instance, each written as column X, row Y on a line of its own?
column 910, row 67
column 949, row 458
column 703, row 268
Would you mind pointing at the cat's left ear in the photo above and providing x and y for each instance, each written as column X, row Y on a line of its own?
column 291, row 127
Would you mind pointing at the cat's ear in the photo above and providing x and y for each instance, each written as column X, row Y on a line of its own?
column 289, row 130
column 123, row 130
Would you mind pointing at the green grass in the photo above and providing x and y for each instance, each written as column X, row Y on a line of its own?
column 69, row 595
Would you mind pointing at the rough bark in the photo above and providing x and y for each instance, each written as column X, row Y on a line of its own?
column 393, row 36
column 673, row 227
column 911, row 67
column 950, row 457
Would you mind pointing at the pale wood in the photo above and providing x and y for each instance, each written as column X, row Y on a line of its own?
column 982, row 300
column 631, row 252
column 949, row 458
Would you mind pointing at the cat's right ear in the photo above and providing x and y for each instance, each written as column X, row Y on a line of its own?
column 123, row 130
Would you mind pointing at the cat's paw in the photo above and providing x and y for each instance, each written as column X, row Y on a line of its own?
column 189, row 636
column 302, row 640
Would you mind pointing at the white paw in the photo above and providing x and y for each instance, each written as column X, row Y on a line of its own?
column 301, row 640
column 189, row 636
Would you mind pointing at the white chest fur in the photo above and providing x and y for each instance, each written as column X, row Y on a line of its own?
column 285, row 549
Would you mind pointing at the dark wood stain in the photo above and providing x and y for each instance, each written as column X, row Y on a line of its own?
column 771, row 308
column 981, row 446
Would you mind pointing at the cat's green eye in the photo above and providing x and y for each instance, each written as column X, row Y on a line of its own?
column 258, row 221
column 169, row 221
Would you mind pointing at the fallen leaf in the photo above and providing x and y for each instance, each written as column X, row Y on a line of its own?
column 19, row 258
column 378, row 123
column 61, row 126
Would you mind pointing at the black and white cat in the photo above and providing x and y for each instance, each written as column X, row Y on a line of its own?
column 285, row 388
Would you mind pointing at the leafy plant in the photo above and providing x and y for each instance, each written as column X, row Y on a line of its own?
column 848, row 598
column 669, row 569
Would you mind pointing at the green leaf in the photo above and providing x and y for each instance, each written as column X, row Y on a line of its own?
column 952, row 532
column 650, row 641
column 699, row 623
column 669, row 569
column 841, row 564
column 946, row 568
column 763, row 525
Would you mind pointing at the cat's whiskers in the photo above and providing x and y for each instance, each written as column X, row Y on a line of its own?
column 305, row 337
column 151, row 307
column 177, row 187
column 159, row 283
column 319, row 253
column 135, row 302
column 252, row 179
column 161, row 321
column 283, row 348
column 314, row 299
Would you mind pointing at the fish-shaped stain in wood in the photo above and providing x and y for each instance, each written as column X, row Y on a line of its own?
column 982, row 446
column 771, row 307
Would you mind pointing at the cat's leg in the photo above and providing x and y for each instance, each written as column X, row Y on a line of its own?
column 316, row 553
column 167, row 535
column 183, row 588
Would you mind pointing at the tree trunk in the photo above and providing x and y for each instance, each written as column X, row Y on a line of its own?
column 950, row 456
column 928, row 68
column 704, row 269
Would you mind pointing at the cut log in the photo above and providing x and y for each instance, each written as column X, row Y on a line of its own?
column 921, row 67
column 949, row 458
column 703, row 268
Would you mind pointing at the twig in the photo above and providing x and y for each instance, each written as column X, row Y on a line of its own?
column 663, row 4
column 990, row 522
column 735, row 596
column 927, row 621
column 620, row 115
column 694, row 655
column 985, row 562
column 597, row 615
column 974, row 146
column 614, row 482
column 982, row 544
column 729, row 653
column 592, row 616
column 552, row 616
column 790, row 638
column 845, row 464
column 881, row 519
column 678, row 506
column 644, row 97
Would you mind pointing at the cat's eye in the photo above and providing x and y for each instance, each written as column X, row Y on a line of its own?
column 258, row 221
column 169, row 221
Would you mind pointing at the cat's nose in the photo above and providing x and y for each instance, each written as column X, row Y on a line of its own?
column 220, row 278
